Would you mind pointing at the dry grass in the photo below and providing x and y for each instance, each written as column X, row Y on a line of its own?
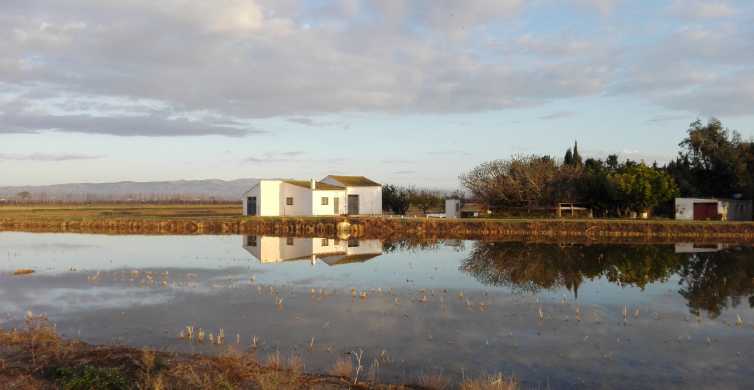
column 434, row 381
column 23, row 271
column 495, row 382
column 37, row 358
column 226, row 218
column 343, row 367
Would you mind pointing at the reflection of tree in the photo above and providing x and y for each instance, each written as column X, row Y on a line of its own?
column 546, row 266
column 715, row 281
column 709, row 281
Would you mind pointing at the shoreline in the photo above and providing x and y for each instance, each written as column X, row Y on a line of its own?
column 392, row 228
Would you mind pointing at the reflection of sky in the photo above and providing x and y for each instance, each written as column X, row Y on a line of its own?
column 209, row 285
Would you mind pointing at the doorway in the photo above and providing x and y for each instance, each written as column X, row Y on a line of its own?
column 705, row 211
column 353, row 204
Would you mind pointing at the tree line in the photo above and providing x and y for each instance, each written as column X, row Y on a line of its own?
column 713, row 161
column 398, row 199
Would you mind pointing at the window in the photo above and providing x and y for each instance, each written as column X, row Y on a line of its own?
column 289, row 201
column 352, row 243
column 325, row 201
column 325, row 242
column 251, row 241
column 289, row 241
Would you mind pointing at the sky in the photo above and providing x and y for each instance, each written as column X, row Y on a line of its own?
column 405, row 92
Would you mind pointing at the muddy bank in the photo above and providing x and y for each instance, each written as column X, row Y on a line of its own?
column 404, row 228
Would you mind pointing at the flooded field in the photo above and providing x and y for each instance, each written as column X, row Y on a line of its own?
column 553, row 316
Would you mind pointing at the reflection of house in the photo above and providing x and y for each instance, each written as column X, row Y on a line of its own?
column 270, row 249
column 690, row 247
column 333, row 195
column 713, row 209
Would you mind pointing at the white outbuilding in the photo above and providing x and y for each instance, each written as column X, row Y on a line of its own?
column 333, row 195
column 701, row 209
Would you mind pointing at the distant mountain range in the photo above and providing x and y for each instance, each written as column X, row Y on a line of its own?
column 130, row 190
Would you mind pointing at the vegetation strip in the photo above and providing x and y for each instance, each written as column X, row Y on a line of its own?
column 38, row 358
column 385, row 227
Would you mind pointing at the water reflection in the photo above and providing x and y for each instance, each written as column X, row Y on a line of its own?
column 331, row 251
column 449, row 307
column 711, row 279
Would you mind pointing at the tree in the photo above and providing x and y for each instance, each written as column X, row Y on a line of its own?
column 640, row 188
column 577, row 161
column 425, row 199
column 714, row 161
column 522, row 180
column 568, row 158
column 395, row 199
column 24, row 195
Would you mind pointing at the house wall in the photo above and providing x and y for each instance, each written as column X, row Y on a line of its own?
column 731, row 209
column 370, row 199
column 452, row 208
column 302, row 200
column 364, row 247
column 319, row 209
column 684, row 207
column 267, row 193
column 254, row 191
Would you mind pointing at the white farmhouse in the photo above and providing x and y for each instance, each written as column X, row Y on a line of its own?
column 334, row 195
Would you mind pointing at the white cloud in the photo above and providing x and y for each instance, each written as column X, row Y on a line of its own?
column 48, row 157
column 151, row 68
column 702, row 9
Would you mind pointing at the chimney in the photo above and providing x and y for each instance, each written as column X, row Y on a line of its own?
column 313, row 185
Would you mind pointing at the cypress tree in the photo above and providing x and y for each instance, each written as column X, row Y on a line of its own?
column 577, row 161
column 568, row 159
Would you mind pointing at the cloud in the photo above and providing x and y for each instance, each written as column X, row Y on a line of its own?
column 605, row 7
column 17, row 119
column 702, row 9
column 668, row 118
column 48, row 157
column 557, row 115
column 398, row 161
column 306, row 121
column 293, row 59
column 449, row 152
column 276, row 157
column 264, row 59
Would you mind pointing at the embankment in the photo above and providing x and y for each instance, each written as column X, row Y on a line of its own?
column 403, row 228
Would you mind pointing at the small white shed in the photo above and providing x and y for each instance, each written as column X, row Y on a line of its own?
column 712, row 209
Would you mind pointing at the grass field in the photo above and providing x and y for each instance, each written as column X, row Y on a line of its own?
column 227, row 219
column 121, row 210
column 233, row 211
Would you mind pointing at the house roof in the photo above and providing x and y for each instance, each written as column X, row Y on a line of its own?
column 355, row 181
column 336, row 259
column 318, row 185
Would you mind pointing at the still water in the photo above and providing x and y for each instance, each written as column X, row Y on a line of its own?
column 552, row 315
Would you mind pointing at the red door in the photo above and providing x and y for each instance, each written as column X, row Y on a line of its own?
column 705, row 211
